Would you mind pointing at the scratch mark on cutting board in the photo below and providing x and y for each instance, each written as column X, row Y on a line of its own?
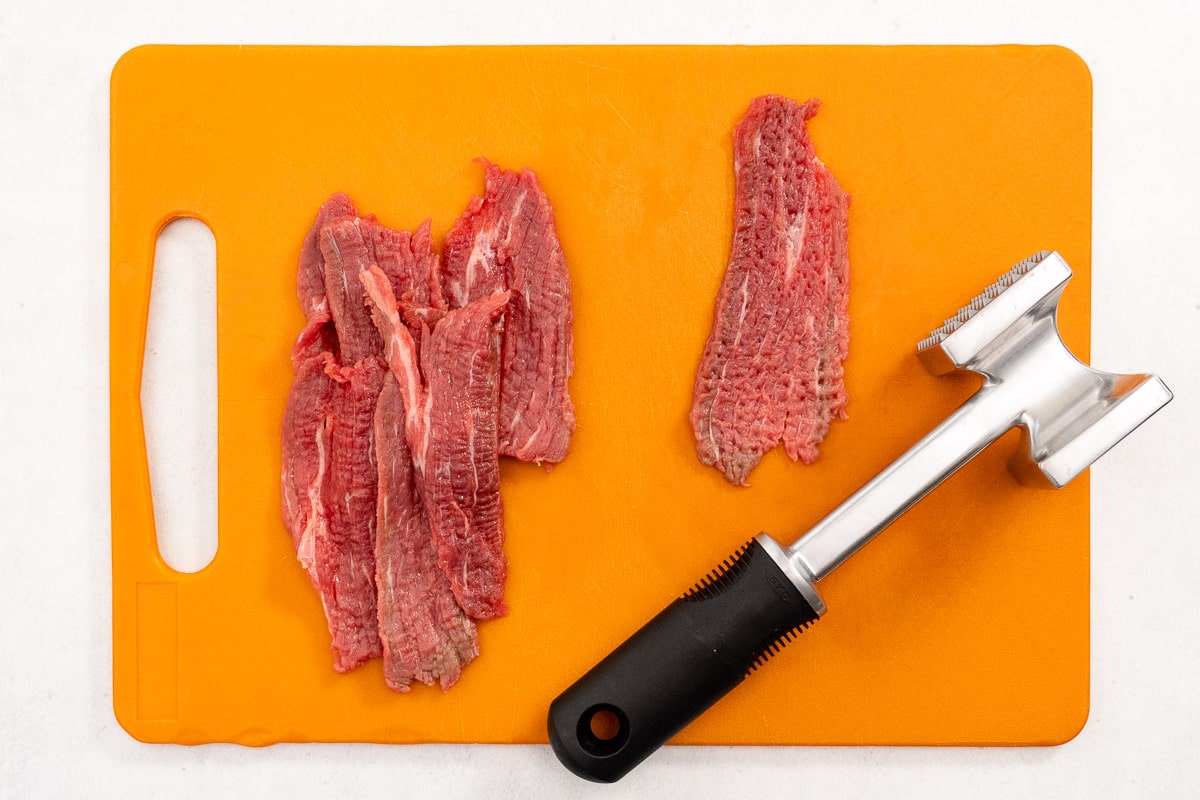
column 528, row 127
column 537, row 98
column 601, row 66
column 349, row 103
column 590, row 157
column 620, row 116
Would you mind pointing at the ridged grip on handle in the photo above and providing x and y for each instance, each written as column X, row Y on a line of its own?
column 677, row 666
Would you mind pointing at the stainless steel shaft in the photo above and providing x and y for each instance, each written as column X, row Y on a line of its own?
column 876, row 505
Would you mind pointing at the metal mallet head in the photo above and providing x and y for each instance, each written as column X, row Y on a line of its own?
column 1072, row 413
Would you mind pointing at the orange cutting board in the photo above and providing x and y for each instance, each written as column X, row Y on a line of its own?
column 965, row 623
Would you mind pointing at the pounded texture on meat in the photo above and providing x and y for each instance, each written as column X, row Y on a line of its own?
column 506, row 240
column 329, row 495
column 460, row 361
column 347, row 247
column 328, row 469
column 310, row 280
column 451, row 395
column 350, row 245
column 772, row 366
column 305, row 436
column 391, row 484
column 306, row 456
column 425, row 634
column 345, row 558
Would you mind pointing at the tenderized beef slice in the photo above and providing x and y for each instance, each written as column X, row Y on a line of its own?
column 310, row 279
column 403, row 359
column 772, row 365
column 328, row 489
column 347, row 249
column 350, row 245
column 330, row 508
column 507, row 240
column 409, row 261
column 824, row 398
column 425, row 634
column 461, row 478
column 450, row 388
column 305, row 438
column 471, row 267
column 346, row 557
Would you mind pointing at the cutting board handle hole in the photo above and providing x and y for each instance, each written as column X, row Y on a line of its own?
column 179, row 394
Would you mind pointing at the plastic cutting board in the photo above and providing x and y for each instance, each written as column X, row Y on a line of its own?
column 966, row 623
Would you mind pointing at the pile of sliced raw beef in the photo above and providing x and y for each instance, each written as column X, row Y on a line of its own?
column 414, row 373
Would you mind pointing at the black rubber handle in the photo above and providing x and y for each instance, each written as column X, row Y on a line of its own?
column 679, row 664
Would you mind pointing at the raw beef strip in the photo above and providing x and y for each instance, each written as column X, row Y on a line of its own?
column 346, row 560
column 506, row 240
column 425, row 633
column 408, row 260
column 351, row 244
column 346, row 245
column 329, row 495
column 460, row 359
column 310, row 281
column 318, row 334
column 451, row 394
column 772, row 366
column 329, row 475
column 306, row 455
column 400, row 353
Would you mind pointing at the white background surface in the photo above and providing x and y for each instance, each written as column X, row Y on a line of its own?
column 58, row 736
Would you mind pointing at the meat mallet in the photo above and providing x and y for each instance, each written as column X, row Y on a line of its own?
column 706, row 642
